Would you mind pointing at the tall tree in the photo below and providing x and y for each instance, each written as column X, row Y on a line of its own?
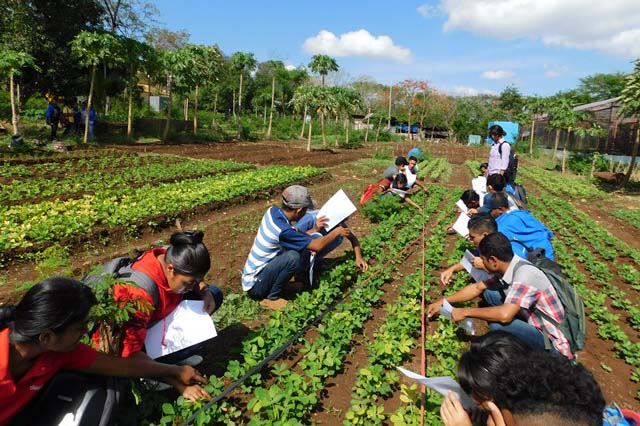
column 599, row 87
column 348, row 100
column 323, row 65
column 129, row 18
column 630, row 97
column 11, row 65
column 138, row 57
column 511, row 101
column 92, row 49
column 534, row 106
column 244, row 63
column 564, row 117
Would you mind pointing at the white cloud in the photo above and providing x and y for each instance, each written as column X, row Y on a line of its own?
column 554, row 71
column 428, row 11
column 290, row 67
column 497, row 75
column 470, row 91
column 357, row 43
column 612, row 27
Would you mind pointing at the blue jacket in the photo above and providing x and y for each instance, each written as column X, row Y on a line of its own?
column 522, row 226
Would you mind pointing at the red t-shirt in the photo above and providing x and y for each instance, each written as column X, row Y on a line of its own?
column 14, row 396
column 135, row 331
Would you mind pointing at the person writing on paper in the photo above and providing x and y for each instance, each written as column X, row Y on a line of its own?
column 41, row 336
column 309, row 225
column 529, row 299
column 178, row 272
column 516, row 387
column 279, row 249
column 496, row 184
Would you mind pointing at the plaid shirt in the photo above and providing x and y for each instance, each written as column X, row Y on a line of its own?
column 547, row 301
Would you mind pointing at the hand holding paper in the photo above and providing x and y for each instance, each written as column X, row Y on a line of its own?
column 337, row 209
column 447, row 311
column 442, row 385
column 461, row 225
column 477, row 274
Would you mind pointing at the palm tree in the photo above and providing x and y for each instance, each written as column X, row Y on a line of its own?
column 319, row 99
column 348, row 101
column 630, row 98
column 244, row 62
column 323, row 65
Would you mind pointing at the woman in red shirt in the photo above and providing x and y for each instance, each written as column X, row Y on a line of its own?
column 41, row 335
column 178, row 271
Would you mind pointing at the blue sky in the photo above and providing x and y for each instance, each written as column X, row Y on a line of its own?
column 458, row 46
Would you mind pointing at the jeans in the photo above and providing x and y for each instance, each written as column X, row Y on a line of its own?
column 491, row 298
column 524, row 331
column 175, row 357
column 269, row 282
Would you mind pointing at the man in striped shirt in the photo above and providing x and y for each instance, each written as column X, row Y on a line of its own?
column 279, row 249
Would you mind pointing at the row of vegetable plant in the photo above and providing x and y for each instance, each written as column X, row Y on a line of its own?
column 630, row 216
column 556, row 183
column 36, row 157
column 130, row 173
column 296, row 393
column 30, row 226
column 438, row 169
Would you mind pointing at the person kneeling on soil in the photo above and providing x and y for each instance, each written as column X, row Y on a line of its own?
column 178, row 272
column 400, row 189
column 279, row 248
column 41, row 336
column 309, row 225
column 528, row 303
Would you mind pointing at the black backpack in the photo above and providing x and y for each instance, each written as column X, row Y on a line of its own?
column 512, row 169
column 574, row 324
column 520, row 194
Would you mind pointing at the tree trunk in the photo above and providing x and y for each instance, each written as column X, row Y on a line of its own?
column 324, row 136
column 322, row 79
column 335, row 130
column 634, row 154
column 378, row 131
column 309, row 137
column 555, row 146
column 240, row 95
column 264, row 115
column 130, row 113
column 533, row 129
column 424, row 106
column 15, row 119
column 304, row 121
column 273, row 100
column 565, row 153
column 233, row 104
column 366, row 132
column 186, row 109
column 347, row 136
column 195, row 113
column 389, row 118
column 85, row 139
column 167, row 124
column 215, row 109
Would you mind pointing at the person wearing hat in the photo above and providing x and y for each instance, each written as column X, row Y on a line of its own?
column 279, row 248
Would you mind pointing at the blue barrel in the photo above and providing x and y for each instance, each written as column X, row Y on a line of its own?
column 415, row 152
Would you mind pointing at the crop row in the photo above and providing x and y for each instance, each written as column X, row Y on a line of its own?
column 393, row 342
column 290, row 394
column 82, row 165
column 437, row 169
column 556, row 183
column 133, row 171
column 572, row 248
column 32, row 158
column 630, row 216
column 27, row 226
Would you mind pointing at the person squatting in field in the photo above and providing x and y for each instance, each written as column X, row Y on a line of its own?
column 521, row 301
column 280, row 250
column 41, row 336
column 178, row 271
column 514, row 386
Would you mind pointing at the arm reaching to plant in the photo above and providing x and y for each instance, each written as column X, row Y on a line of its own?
column 360, row 262
column 469, row 292
column 447, row 275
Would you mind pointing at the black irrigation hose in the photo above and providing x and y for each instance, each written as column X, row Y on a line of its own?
column 275, row 354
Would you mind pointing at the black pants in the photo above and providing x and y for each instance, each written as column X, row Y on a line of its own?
column 54, row 131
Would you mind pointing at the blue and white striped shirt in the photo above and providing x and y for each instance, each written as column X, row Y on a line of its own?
column 274, row 235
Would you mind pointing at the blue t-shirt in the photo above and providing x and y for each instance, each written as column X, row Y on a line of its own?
column 275, row 234
column 522, row 226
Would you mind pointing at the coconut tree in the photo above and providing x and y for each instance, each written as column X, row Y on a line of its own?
column 93, row 49
column 630, row 98
column 323, row 65
column 244, row 63
column 11, row 64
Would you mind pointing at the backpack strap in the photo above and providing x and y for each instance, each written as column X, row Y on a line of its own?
column 526, row 247
column 143, row 281
column 500, row 149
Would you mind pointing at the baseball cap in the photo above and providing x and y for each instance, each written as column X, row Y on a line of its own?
column 297, row 197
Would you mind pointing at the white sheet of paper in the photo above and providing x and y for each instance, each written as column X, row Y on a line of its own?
column 312, row 264
column 479, row 184
column 442, row 385
column 186, row 326
column 477, row 274
column 460, row 226
column 337, row 209
column 462, row 206
column 466, row 324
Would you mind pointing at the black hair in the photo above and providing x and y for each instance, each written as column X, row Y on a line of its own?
column 540, row 383
column 188, row 254
column 496, row 245
column 469, row 196
column 400, row 161
column 498, row 199
column 483, row 166
column 413, row 157
column 480, row 369
column 496, row 181
column 52, row 304
column 400, row 181
column 497, row 130
column 482, row 223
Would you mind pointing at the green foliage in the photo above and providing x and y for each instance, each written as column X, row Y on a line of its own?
column 630, row 95
column 601, row 86
column 381, row 208
column 92, row 49
column 323, row 65
column 580, row 163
